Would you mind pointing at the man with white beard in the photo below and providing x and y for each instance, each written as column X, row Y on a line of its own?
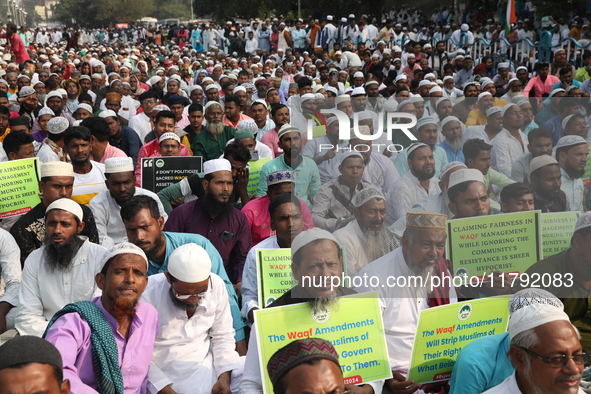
column 546, row 352
column 420, row 256
column 452, row 129
column 366, row 238
column 316, row 256
column 210, row 143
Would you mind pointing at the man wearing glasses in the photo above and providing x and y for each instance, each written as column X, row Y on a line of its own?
column 141, row 122
column 545, row 351
column 194, row 350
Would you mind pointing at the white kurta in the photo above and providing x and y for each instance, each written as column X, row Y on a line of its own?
column 10, row 268
column 379, row 171
column 352, row 239
column 401, row 306
column 406, row 193
column 43, row 293
column 250, row 287
column 507, row 149
column 191, row 353
column 509, row 386
column 107, row 215
column 127, row 109
column 140, row 123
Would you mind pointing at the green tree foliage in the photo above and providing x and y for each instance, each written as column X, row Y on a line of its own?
column 104, row 13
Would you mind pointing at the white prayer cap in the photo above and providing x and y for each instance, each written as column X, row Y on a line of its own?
column 429, row 75
column 521, row 68
column 370, row 83
column 533, row 316
column 216, row 165
column 161, row 107
column 441, row 100
column 169, row 136
column 53, row 93
column 109, row 113
column 570, row 140
column 559, row 90
column 62, row 92
column 310, row 235
column 189, row 263
column 414, row 146
column 351, row 16
column 342, row 98
column 402, row 104
column 391, row 105
column 425, row 121
column 584, row 221
column 425, row 82
column 56, row 168
column 450, row 166
column 86, row 107
column 115, row 165
column 470, row 174
column 492, row 110
column 396, row 49
column 123, row 248
column 358, row 92
column 485, row 81
column 352, row 153
column 566, row 120
column 308, row 96
column 198, row 87
column 343, row 20
column 400, row 77
column 483, row 94
column 57, row 125
column 503, row 65
column 365, row 195
column 447, row 77
column 287, row 128
column 464, row 27
column 526, row 297
column 239, row 89
column 328, row 89
column 435, row 89
column 416, row 98
column 46, row 111
column 211, row 104
column 211, row 86
column 65, row 204
column 358, row 74
column 450, row 119
column 207, row 79
column 541, row 161
column 329, row 17
column 154, row 80
column 507, row 108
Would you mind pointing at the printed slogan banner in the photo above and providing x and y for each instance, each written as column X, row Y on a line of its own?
column 274, row 273
column 443, row 331
column 19, row 182
column 509, row 243
column 557, row 230
column 160, row 172
column 357, row 337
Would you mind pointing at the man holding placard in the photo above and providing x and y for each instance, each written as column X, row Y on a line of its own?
column 287, row 222
column 567, row 276
column 419, row 258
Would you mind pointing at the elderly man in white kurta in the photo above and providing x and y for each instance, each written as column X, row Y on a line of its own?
column 366, row 238
column 414, row 186
column 195, row 347
column 510, row 143
column 106, row 206
column 401, row 306
column 62, row 271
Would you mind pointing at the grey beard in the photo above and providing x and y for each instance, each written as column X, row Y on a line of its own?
column 321, row 304
column 216, row 128
column 455, row 144
column 379, row 243
column 423, row 272
column 513, row 94
column 183, row 305
column 60, row 257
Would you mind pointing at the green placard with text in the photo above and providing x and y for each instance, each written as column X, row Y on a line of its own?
column 509, row 242
column 443, row 331
column 254, row 174
column 19, row 183
column 353, row 326
column 274, row 273
column 557, row 230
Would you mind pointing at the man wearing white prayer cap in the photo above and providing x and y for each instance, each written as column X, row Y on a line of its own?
column 545, row 351
column 106, row 206
column 473, row 373
column 467, row 194
column 573, row 263
column 477, row 116
column 310, row 248
column 402, row 305
column 215, row 218
column 503, row 78
column 571, row 153
column 52, row 148
column 546, row 180
column 195, row 341
column 366, row 238
column 56, row 181
column 62, row 271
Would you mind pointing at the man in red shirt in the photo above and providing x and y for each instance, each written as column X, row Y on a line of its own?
column 16, row 44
